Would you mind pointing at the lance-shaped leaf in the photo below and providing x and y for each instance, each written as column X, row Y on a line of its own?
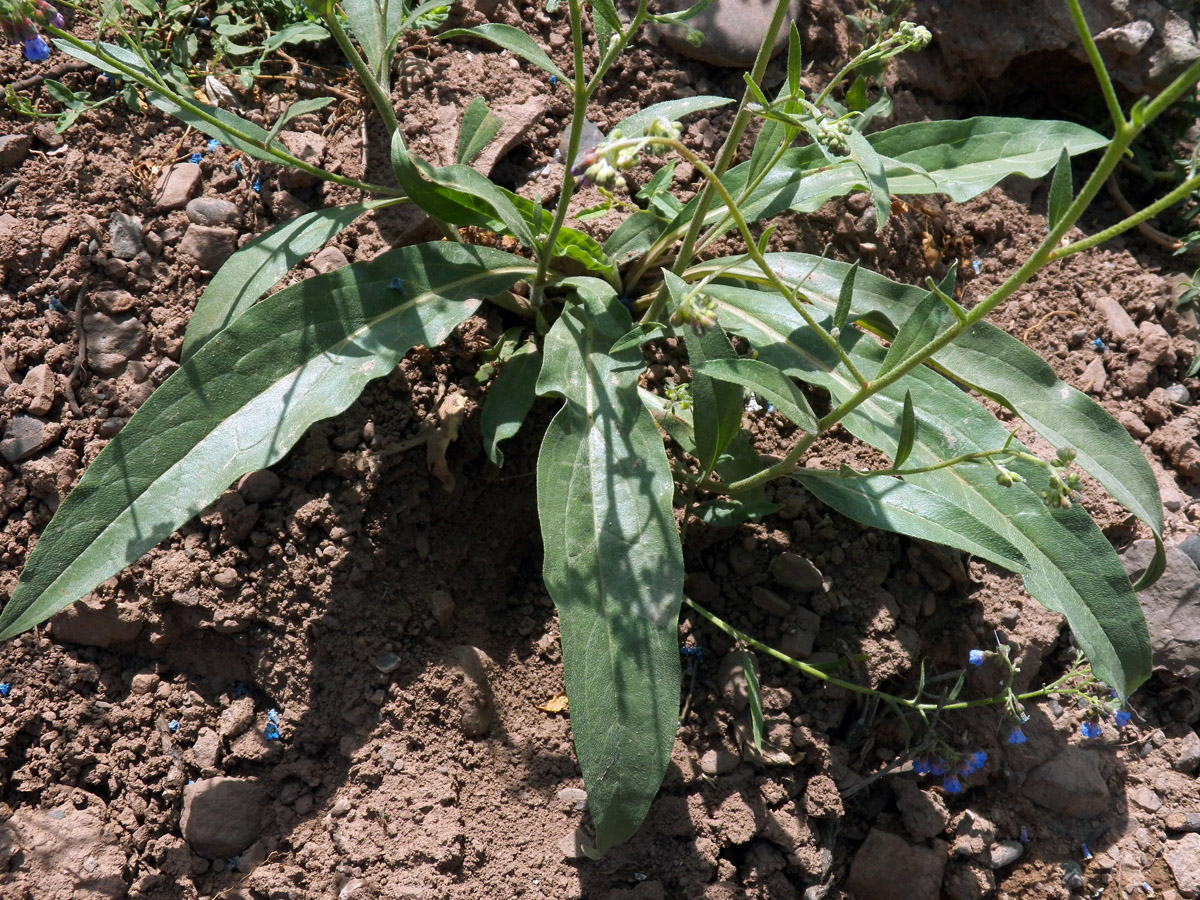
column 997, row 365
column 259, row 266
column 883, row 501
column 613, row 563
column 509, row 400
column 1073, row 569
column 242, row 401
column 636, row 124
column 766, row 381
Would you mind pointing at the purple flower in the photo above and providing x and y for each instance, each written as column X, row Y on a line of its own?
column 36, row 48
column 976, row 657
column 1016, row 736
column 952, row 785
column 1121, row 717
column 1090, row 729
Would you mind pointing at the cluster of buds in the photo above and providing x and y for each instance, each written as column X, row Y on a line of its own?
column 602, row 166
column 1005, row 477
column 914, row 37
column 1062, row 484
column 832, row 134
column 698, row 311
column 19, row 23
column 679, row 395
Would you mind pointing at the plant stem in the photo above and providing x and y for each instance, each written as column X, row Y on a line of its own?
column 381, row 101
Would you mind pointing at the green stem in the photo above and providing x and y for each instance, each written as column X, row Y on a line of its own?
column 381, row 101
column 1093, row 54
column 819, row 675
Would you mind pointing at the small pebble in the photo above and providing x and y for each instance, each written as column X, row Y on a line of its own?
column 387, row 663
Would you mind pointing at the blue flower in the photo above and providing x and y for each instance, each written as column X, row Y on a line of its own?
column 36, row 48
column 1090, row 729
column 952, row 785
column 922, row 766
column 1087, row 854
column 1016, row 736
column 5, row 689
column 195, row 158
column 213, row 144
column 1024, row 835
column 1098, row 345
column 1121, row 717
column 271, row 732
column 937, row 767
column 273, row 716
column 976, row 657
column 173, row 726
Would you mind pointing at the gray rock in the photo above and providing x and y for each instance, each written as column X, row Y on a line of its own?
column 1094, row 379
column 1188, row 760
column 1069, row 784
column 887, row 867
column 575, row 843
column 114, row 302
column 1183, row 858
column 208, row 245
column 125, row 235
column 328, row 260
column 1171, row 607
column 13, row 149
column 112, row 341
column 222, row 816
column 206, row 751
column 176, row 186
column 27, row 435
column 573, row 798
column 259, row 487
column 794, row 571
column 1004, row 854
column 42, row 386
column 769, row 602
column 732, row 29
column 212, row 211
column 719, row 762
column 1121, row 327
column 973, row 43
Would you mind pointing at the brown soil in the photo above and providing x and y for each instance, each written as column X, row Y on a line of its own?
column 347, row 590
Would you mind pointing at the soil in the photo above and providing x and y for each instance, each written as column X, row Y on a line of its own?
column 391, row 625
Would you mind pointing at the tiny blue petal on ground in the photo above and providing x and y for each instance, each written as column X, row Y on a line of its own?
column 1090, row 730
column 952, row 785
column 1016, row 736
column 976, row 657
column 1121, row 717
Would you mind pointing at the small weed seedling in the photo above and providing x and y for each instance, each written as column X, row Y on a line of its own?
column 893, row 359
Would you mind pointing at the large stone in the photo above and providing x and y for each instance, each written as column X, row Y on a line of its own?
column 794, row 571
column 209, row 245
column 27, row 435
column 732, row 29
column 887, row 867
column 222, row 816
column 1069, row 784
column 176, row 186
column 1183, row 858
column 1171, row 607
column 125, row 235
column 112, row 341
column 1143, row 42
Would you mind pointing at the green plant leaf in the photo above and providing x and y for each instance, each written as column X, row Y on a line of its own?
column 766, row 381
column 995, row 364
column 515, row 42
column 918, row 330
column 299, row 108
column 729, row 512
column 613, row 564
column 716, row 404
column 908, row 431
column 259, row 266
column 636, row 124
column 841, row 312
column 1072, row 568
column 509, row 400
column 374, row 33
column 753, row 698
column 242, row 401
column 872, row 165
column 1061, row 191
column 479, row 126
column 892, row 504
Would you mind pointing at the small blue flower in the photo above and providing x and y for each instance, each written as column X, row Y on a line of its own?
column 396, row 284
column 1121, row 717
column 1016, row 736
column 1087, row 854
column 922, row 766
column 173, row 726
column 1024, row 835
column 1090, row 729
column 952, row 785
column 237, row 166
column 1098, row 345
column 271, row 732
column 5, row 689
column 213, row 144
column 553, row 81
column 195, row 158
column 55, row 304
column 256, row 184
column 937, row 767
column 976, row 265
column 36, row 48
column 978, row 760
column 976, row 657
column 273, row 716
